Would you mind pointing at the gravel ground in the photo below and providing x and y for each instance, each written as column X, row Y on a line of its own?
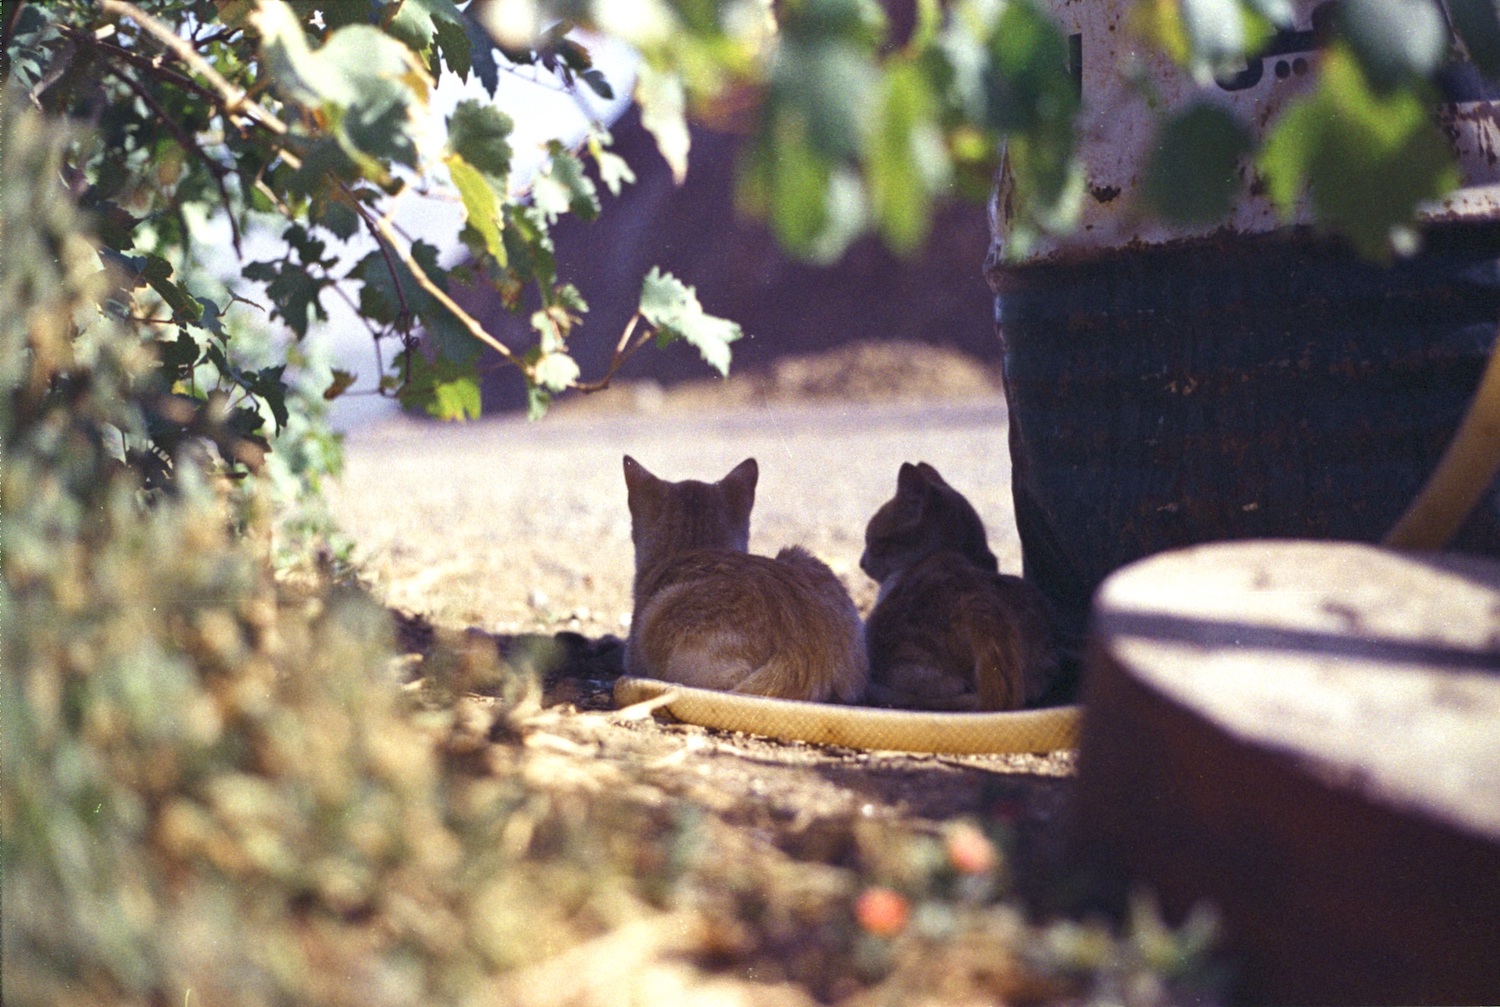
column 510, row 526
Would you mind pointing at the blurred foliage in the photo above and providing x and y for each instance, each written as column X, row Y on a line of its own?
column 1361, row 145
column 243, row 112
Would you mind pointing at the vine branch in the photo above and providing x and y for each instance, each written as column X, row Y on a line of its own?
column 191, row 145
column 235, row 100
column 441, row 296
column 624, row 350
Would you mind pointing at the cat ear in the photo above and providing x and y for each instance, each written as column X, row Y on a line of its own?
column 909, row 479
column 930, row 474
column 739, row 485
column 639, row 483
column 635, row 472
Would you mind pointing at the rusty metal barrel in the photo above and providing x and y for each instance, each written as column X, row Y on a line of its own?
column 1170, row 386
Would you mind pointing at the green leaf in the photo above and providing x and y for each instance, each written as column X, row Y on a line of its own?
column 672, row 308
column 905, row 161
column 293, row 291
column 555, row 371
column 1394, row 40
column 1194, row 171
column 664, row 115
column 456, row 399
column 270, row 387
column 157, row 272
column 442, row 388
column 479, row 162
column 614, row 170
column 179, row 356
column 565, row 186
column 1030, row 87
column 480, row 134
column 528, row 245
column 360, row 80
column 1033, row 99
column 452, row 42
column 388, row 283
column 1478, row 23
column 417, row 21
column 483, row 209
column 341, row 383
column 1368, row 159
column 829, row 88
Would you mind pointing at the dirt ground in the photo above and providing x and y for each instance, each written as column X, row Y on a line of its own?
column 517, row 533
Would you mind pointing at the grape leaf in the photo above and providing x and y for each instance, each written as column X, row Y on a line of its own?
column 904, row 162
column 480, row 134
column 483, row 209
column 1193, row 173
column 564, row 186
column 672, row 308
column 664, row 114
column 1368, row 159
column 417, row 21
column 442, row 388
column 358, row 79
column 555, row 371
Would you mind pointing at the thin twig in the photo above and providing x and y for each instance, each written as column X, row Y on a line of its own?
column 188, row 143
column 235, row 99
column 441, row 296
column 624, row 349
column 385, row 251
column 149, row 64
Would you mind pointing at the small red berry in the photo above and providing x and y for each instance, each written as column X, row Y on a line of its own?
column 882, row 912
column 970, row 850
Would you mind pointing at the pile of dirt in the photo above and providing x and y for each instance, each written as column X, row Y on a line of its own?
column 863, row 372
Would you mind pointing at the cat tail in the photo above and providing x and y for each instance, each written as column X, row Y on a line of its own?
column 999, row 656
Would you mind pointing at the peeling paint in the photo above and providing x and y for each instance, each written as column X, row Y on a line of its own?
column 1117, row 132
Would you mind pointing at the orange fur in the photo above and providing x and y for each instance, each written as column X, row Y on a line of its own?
column 949, row 632
column 709, row 614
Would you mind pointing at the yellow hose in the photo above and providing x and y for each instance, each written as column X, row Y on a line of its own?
column 1465, row 471
column 860, row 726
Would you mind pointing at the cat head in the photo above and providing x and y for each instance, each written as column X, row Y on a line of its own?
column 925, row 516
column 667, row 517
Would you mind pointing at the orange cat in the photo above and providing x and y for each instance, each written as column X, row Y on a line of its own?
column 709, row 614
column 949, row 632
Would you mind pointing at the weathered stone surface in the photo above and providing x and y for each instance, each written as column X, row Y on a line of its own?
column 1308, row 736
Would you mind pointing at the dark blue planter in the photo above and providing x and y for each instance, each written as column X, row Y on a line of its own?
column 1248, row 387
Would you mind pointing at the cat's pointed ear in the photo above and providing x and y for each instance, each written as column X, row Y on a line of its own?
column 638, row 481
column 739, row 484
column 909, row 479
column 635, row 471
column 930, row 474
